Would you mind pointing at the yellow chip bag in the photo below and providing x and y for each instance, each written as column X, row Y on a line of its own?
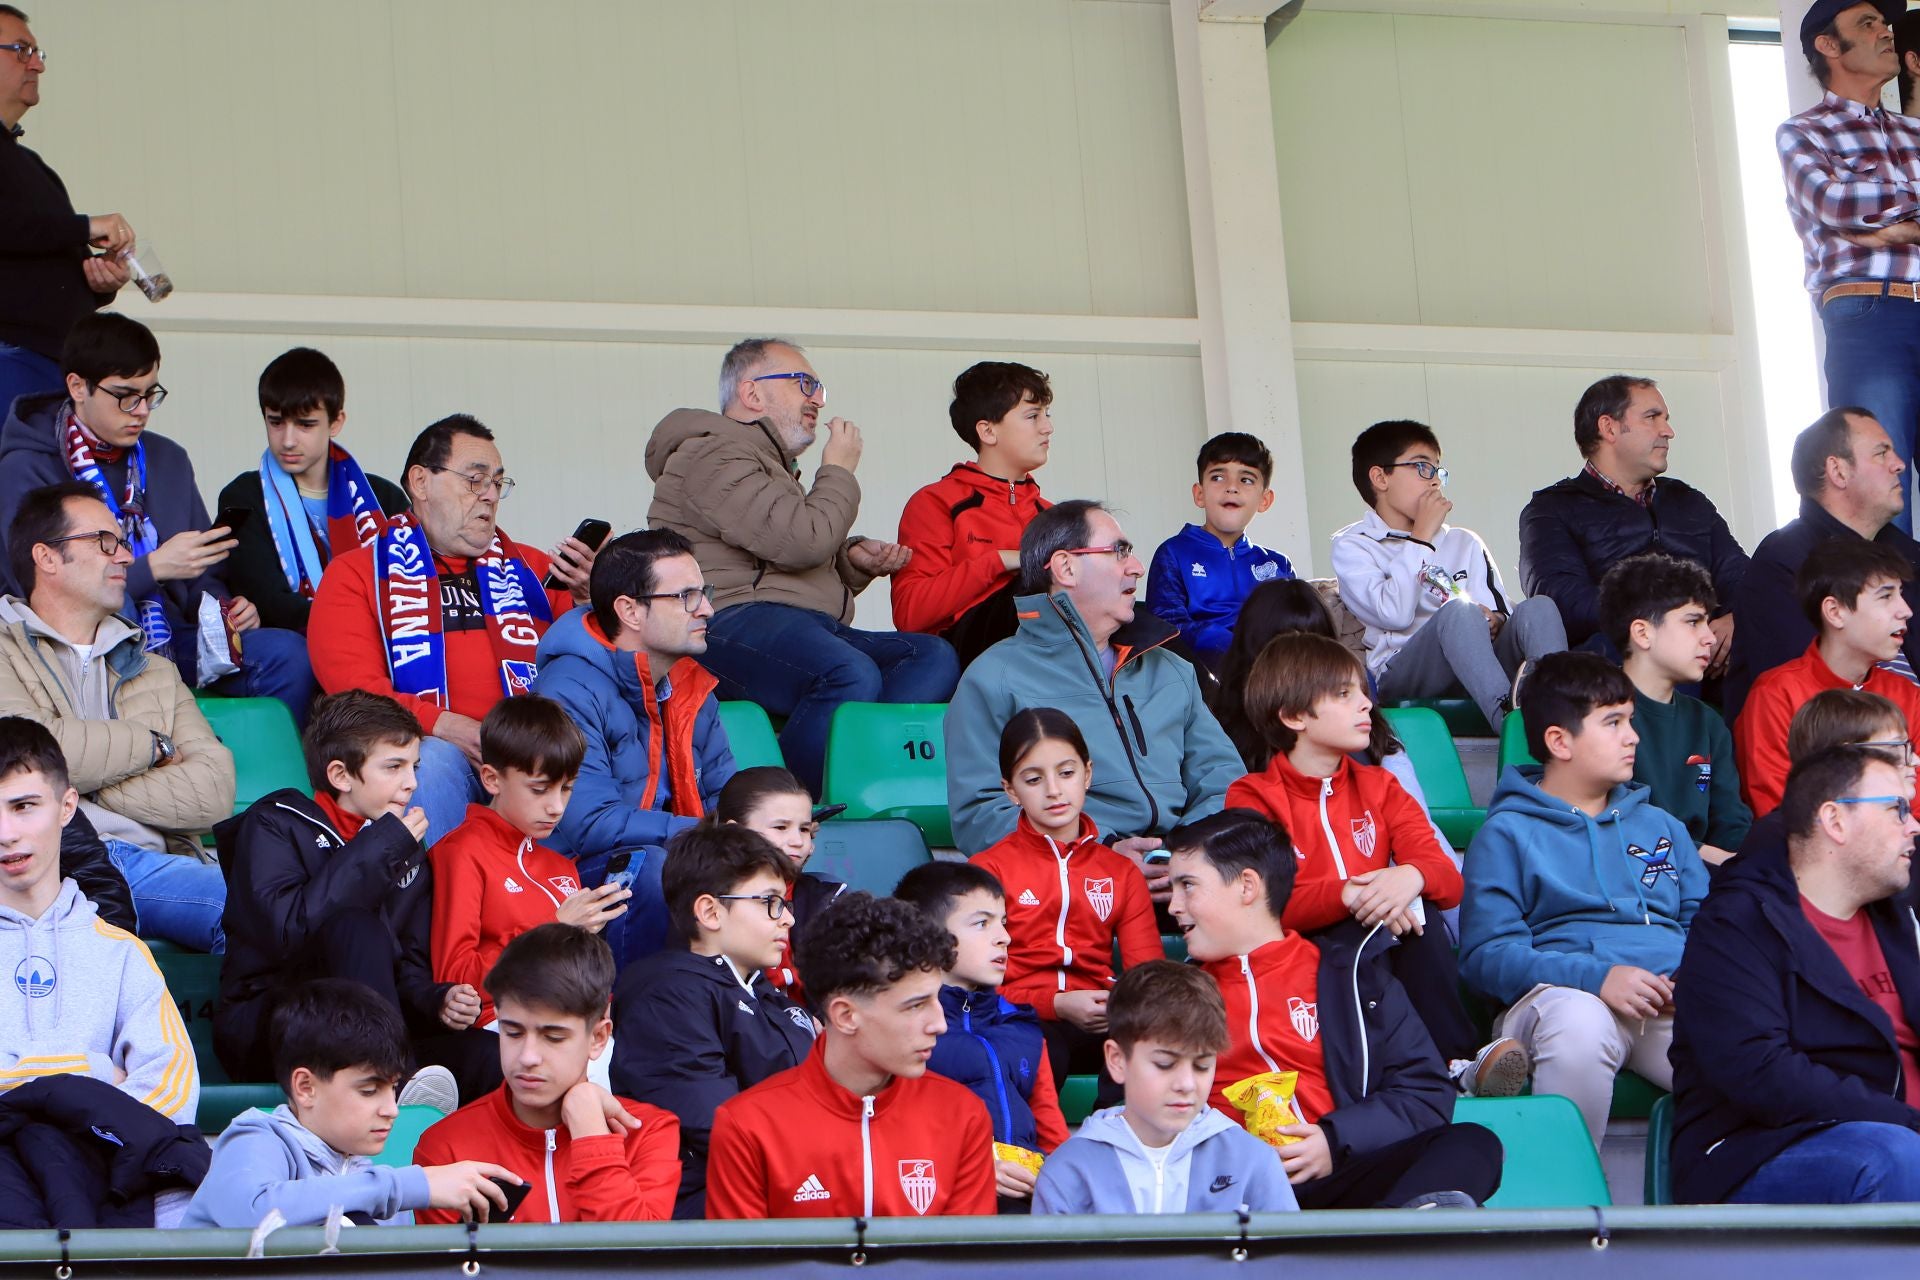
column 1028, row 1160
column 1266, row 1104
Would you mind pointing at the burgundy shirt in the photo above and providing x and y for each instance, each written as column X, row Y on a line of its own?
column 1858, row 947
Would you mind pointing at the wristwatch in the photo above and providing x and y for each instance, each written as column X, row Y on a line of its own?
column 163, row 749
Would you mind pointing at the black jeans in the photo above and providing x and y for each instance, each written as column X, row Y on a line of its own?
column 1450, row 1157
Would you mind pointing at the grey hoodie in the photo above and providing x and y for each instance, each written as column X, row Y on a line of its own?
column 1214, row 1166
column 87, row 999
column 267, row 1160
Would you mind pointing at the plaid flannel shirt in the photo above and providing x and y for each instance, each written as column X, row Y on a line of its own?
column 1850, row 167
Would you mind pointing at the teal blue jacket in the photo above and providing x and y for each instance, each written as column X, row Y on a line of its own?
column 1159, row 756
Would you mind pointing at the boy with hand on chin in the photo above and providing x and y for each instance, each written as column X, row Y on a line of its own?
column 860, row 1128
column 590, row 1157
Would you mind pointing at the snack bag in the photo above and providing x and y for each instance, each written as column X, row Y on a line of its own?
column 1266, row 1104
column 1028, row 1160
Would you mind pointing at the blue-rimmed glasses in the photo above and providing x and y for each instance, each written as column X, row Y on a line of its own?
column 1899, row 804
column 810, row 386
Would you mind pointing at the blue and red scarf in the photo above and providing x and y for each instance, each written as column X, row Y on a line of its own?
column 354, row 517
column 129, row 509
column 406, row 595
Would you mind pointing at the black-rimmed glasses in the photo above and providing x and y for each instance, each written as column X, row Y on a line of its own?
column 1425, row 470
column 689, row 599
column 110, row 542
column 126, row 397
column 1901, row 747
column 775, row 904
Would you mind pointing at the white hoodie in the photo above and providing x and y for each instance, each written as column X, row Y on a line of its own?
column 1380, row 573
column 86, row 998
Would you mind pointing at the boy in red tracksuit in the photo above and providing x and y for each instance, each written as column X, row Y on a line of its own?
column 1372, row 1104
column 965, row 528
column 1365, row 849
column 492, row 881
column 1850, row 589
column 587, row 1155
column 861, row 1128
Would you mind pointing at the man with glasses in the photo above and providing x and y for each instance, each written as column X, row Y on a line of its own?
column 1620, row 504
column 150, row 773
column 443, row 611
column 49, row 274
column 1159, row 757
column 1796, row 1063
column 98, row 429
column 783, row 560
column 625, row 670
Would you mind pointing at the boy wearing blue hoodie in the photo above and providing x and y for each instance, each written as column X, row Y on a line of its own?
column 1166, row 1150
column 1204, row 573
column 339, row 1052
column 1579, row 892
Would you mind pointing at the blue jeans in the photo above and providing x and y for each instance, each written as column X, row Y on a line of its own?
column 1873, row 361
column 643, row 929
column 444, row 785
column 273, row 664
column 25, row 373
column 1859, row 1162
column 801, row 664
column 174, row 896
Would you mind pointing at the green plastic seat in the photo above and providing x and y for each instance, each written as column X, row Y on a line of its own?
column 1436, row 763
column 889, row 760
column 265, row 745
column 750, row 735
column 407, row 1128
column 193, row 980
column 1550, row 1160
column 1659, row 1177
column 1513, row 744
column 1463, row 715
column 1077, row 1097
column 1634, row 1097
column 221, row 1104
column 868, row 853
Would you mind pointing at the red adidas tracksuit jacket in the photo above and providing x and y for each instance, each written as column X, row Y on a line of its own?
column 630, row 1177
column 1760, row 731
column 1361, row 819
column 798, row 1145
column 957, row 527
column 1066, row 903
column 1273, row 1022
column 490, row 885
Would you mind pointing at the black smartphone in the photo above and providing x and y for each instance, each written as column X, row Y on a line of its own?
column 593, row 533
column 516, row 1193
column 232, row 518
column 617, row 869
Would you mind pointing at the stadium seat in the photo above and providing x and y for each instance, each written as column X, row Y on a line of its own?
column 868, row 853
column 193, row 980
column 1550, row 1163
column 1462, row 715
column 1634, row 1097
column 1659, row 1178
column 888, row 760
column 1513, row 744
column 1429, row 745
column 265, row 745
column 750, row 735
column 1076, row 1098
column 407, row 1128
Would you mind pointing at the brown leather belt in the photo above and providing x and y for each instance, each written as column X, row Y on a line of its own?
column 1872, row 289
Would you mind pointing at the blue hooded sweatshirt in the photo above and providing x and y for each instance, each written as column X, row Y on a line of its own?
column 1198, row 585
column 1213, row 1166
column 267, row 1160
column 636, row 736
column 1559, row 897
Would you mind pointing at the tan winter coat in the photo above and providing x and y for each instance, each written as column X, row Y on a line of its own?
column 731, row 490
column 111, row 761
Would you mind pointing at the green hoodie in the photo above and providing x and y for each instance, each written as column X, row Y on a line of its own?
column 1685, row 759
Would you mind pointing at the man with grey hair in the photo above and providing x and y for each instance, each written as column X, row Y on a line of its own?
column 1160, row 758
column 781, row 559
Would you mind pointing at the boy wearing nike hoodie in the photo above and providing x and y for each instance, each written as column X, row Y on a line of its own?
column 1166, row 1151
column 1579, row 893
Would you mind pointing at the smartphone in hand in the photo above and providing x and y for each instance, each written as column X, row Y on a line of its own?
column 231, row 518
column 516, row 1193
column 593, row 533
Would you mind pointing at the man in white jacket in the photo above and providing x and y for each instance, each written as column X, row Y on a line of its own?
column 1438, row 620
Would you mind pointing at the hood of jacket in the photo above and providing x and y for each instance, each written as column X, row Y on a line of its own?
column 1110, row 1128
column 30, row 424
column 973, row 478
column 24, row 940
column 306, row 1147
column 1599, row 851
column 682, row 425
column 111, row 640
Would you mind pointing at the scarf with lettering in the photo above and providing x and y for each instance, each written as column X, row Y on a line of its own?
column 354, row 518
column 129, row 509
column 406, row 590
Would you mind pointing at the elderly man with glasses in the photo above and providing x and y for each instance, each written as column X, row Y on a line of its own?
column 782, row 557
column 444, row 612
column 49, row 274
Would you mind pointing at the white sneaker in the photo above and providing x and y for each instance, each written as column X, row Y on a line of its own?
column 1499, row 1070
column 432, row 1087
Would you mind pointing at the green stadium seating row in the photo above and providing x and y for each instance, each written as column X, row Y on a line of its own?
column 1659, row 1175
column 888, row 760
column 1436, row 762
column 868, row 853
column 407, row 1128
column 750, row 735
column 265, row 745
column 193, row 979
column 1513, row 744
column 1463, row 715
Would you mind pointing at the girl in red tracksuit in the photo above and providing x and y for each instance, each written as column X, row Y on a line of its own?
column 1069, row 898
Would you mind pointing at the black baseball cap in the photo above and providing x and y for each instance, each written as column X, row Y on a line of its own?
column 1823, row 12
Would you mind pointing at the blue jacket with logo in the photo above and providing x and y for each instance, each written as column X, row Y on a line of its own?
column 1198, row 585
column 993, row 1046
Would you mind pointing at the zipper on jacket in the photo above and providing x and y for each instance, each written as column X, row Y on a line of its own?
column 1253, row 1015
column 993, row 1060
column 553, row 1194
column 1060, row 925
column 866, row 1150
column 520, row 860
column 1160, row 1182
column 1106, row 695
column 1326, row 828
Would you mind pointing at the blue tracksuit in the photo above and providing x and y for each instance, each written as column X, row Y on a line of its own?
column 1198, row 585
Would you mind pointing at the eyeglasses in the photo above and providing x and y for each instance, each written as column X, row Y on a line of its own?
column 810, row 386
column 110, row 542
column 775, row 904
column 1120, row 550
column 479, row 484
column 26, row 52
column 1425, row 470
column 1900, row 746
column 126, row 397
column 689, row 599
column 1900, row 804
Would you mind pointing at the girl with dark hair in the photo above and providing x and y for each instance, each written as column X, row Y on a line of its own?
column 771, row 801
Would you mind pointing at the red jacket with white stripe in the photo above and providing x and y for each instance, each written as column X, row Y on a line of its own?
column 957, row 527
column 798, row 1145
column 1361, row 819
column 1066, row 904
